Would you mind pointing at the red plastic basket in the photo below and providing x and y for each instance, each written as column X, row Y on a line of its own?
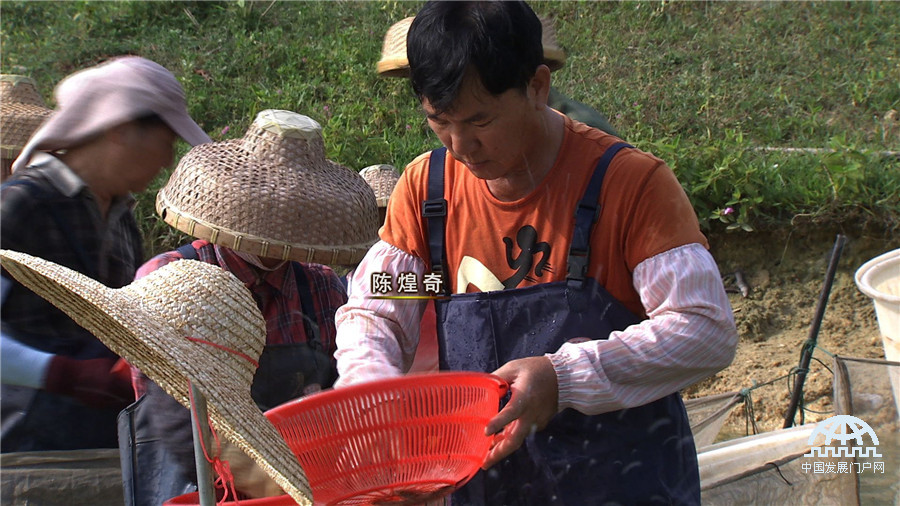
column 403, row 440
column 193, row 499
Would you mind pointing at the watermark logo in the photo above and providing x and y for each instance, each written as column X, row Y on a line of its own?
column 856, row 440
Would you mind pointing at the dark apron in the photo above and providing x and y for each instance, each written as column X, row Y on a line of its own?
column 158, row 463
column 641, row 455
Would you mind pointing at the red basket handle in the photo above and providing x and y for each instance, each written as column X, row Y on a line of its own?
column 503, row 386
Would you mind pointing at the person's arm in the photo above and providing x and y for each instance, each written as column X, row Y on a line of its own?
column 20, row 364
column 97, row 382
column 377, row 338
column 689, row 335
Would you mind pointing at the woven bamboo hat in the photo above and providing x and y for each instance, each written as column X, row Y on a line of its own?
column 22, row 111
column 554, row 56
column 382, row 179
column 185, row 321
column 273, row 194
column 393, row 62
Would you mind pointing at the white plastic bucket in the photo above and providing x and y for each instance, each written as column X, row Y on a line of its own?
column 879, row 278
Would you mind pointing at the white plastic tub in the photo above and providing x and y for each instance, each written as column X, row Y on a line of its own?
column 879, row 278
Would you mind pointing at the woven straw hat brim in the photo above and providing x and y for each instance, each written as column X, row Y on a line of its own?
column 554, row 56
column 255, row 245
column 393, row 60
column 393, row 67
column 147, row 323
column 284, row 200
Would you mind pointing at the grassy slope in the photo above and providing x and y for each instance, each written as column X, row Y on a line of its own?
column 702, row 85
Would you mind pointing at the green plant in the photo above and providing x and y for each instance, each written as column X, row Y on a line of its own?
column 844, row 168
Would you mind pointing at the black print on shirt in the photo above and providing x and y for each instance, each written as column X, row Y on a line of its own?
column 526, row 238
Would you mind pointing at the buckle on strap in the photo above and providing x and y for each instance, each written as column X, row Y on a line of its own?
column 577, row 264
column 434, row 208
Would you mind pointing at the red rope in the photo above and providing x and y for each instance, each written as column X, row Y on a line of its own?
column 224, row 348
column 224, row 477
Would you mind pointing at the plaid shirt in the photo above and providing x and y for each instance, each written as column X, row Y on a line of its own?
column 49, row 212
column 276, row 294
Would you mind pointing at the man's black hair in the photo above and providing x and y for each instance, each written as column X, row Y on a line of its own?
column 500, row 41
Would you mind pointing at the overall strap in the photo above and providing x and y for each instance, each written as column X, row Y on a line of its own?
column 434, row 210
column 586, row 215
column 40, row 193
column 188, row 251
column 307, row 306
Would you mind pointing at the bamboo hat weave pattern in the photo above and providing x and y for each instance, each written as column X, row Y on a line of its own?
column 273, row 194
column 393, row 62
column 187, row 321
column 22, row 111
column 382, row 179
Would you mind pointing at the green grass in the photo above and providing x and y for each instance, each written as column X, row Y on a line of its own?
column 704, row 85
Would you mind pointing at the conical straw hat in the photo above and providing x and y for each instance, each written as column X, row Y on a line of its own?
column 382, row 179
column 393, row 62
column 554, row 56
column 186, row 321
column 22, row 111
column 273, row 194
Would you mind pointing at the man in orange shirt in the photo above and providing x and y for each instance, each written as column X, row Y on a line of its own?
column 573, row 267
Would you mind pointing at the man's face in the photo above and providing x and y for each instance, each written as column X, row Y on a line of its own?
column 492, row 135
column 152, row 149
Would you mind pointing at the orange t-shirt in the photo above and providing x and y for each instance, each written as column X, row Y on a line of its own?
column 494, row 245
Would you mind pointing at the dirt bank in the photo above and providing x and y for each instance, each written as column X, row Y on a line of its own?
column 786, row 273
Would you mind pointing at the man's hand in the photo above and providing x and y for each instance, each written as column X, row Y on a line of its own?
column 249, row 478
column 96, row 382
column 534, row 402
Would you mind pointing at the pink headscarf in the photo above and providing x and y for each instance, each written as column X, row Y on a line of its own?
column 95, row 99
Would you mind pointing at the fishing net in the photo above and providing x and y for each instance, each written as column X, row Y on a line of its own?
column 707, row 415
column 771, row 468
column 869, row 389
column 829, row 462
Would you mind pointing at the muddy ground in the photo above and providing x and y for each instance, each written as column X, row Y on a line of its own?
column 786, row 273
